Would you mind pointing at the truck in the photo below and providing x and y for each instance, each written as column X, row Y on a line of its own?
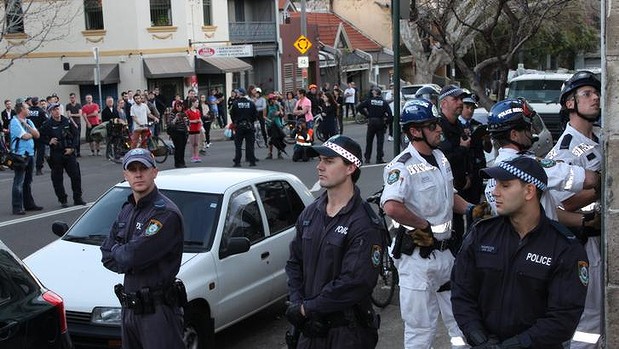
column 542, row 90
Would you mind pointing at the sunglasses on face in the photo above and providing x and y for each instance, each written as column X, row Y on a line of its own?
column 431, row 125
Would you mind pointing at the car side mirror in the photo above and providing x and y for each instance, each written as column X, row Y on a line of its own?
column 234, row 245
column 59, row 228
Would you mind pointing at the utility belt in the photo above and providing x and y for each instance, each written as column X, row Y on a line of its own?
column 319, row 326
column 244, row 125
column 145, row 300
column 407, row 245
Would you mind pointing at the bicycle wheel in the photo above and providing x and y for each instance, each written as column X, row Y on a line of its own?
column 115, row 150
column 387, row 280
column 361, row 119
column 318, row 131
column 258, row 137
column 159, row 149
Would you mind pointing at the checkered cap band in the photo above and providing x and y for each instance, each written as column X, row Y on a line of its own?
column 523, row 175
column 343, row 153
column 451, row 92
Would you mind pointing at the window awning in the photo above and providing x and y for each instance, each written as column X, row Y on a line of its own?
column 220, row 65
column 167, row 67
column 84, row 74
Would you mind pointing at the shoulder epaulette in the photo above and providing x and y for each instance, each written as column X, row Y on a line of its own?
column 405, row 157
column 563, row 230
column 160, row 204
column 565, row 143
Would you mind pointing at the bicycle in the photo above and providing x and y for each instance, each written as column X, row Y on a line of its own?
column 388, row 278
column 361, row 119
column 318, row 132
column 120, row 143
column 258, row 134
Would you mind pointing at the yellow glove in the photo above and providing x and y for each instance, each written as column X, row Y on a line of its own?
column 481, row 211
column 423, row 237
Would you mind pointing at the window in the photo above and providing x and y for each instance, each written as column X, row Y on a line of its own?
column 160, row 13
column 281, row 203
column 239, row 11
column 207, row 11
column 93, row 11
column 243, row 218
column 14, row 22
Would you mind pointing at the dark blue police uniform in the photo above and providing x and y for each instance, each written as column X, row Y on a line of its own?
column 64, row 131
column 379, row 116
column 243, row 114
column 146, row 244
column 533, row 288
column 332, row 270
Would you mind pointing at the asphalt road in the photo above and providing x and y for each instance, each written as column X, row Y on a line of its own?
column 26, row 234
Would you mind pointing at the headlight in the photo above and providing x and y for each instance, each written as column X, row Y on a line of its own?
column 106, row 316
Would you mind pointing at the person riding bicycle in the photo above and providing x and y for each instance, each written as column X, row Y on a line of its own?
column 140, row 115
column 419, row 195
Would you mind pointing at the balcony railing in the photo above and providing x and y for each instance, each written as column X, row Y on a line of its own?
column 243, row 32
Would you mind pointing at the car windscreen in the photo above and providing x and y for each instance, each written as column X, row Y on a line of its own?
column 409, row 91
column 536, row 91
column 200, row 214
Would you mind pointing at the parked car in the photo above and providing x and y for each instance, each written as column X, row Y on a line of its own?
column 31, row 316
column 238, row 227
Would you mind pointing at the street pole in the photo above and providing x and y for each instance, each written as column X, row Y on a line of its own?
column 395, row 6
column 97, row 76
column 304, row 33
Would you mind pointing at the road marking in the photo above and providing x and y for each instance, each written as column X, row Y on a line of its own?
column 43, row 215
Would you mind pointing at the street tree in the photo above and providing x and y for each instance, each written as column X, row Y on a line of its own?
column 28, row 25
column 444, row 30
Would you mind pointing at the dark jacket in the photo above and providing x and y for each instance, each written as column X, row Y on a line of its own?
column 145, row 242
column 108, row 114
column 331, row 266
column 533, row 288
column 63, row 130
column 376, row 108
column 457, row 155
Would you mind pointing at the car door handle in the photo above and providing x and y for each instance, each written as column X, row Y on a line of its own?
column 264, row 255
column 7, row 329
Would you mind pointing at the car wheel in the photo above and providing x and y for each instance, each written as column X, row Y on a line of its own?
column 198, row 333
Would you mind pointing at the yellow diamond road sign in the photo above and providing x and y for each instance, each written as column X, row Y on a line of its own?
column 302, row 44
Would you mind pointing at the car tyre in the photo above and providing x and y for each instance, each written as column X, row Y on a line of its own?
column 198, row 333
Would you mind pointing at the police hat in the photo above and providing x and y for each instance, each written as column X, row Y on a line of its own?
column 524, row 168
column 52, row 106
column 141, row 155
column 339, row 145
column 241, row 91
column 451, row 90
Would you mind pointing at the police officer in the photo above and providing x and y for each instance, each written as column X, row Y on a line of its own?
column 146, row 244
column 480, row 144
column 59, row 133
column 580, row 145
column 243, row 114
column 379, row 116
column 510, row 123
column 334, row 257
column 456, row 144
column 419, row 194
column 38, row 117
column 520, row 279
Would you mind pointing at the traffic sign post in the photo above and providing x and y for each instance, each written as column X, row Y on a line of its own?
column 302, row 44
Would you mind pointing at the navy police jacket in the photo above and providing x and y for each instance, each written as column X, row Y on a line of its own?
column 533, row 288
column 145, row 242
column 334, row 261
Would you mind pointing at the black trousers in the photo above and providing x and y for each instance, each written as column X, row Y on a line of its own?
column 179, row 139
column 348, row 106
column 59, row 163
column 39, row 153
column 376, row 128
column 246, row 134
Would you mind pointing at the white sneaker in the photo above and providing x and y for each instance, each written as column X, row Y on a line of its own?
column 390, row 139
column 208, row 145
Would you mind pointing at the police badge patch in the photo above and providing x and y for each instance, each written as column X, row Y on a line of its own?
column 393, row 176
column 376, row 253
column 153, row 227
column 547, row 163
column 583, row 272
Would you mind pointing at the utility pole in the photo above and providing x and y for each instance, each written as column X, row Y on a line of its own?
column 304, row 33
column 395, row 15
column 97, row 74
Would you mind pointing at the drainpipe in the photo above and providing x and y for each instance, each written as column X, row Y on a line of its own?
column 278, row 51
column 371, row 66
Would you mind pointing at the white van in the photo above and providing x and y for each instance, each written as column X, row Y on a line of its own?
column 542, row 91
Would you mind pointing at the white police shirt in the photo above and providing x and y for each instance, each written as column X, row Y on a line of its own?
column 577, row 149
column 562, row 177
column 425, row 190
